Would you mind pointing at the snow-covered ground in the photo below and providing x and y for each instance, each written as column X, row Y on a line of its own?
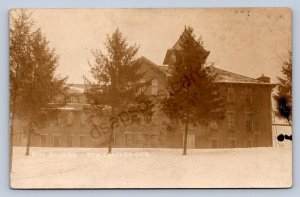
column 151, row 168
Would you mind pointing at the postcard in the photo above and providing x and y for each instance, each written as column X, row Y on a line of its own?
column 151, row 98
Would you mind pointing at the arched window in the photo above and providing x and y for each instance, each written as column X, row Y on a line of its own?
column 154, row 87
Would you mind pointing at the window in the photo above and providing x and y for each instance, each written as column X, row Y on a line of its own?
column 70, row 118
column 83, row 119
column 69, row 140
column 142, row 86
column 61, row 120
column 74, row 99
column 82, row 141
column 155, row 141
column 248, row 96
column 249, row 122
column 56, row 140
column 128, row 139
column 231, row 121
column 214, row 143
column 213, row 126
column 24, row 135
column 250, row 143
column 154, row 87
column 173, row 58
column 59, row 99
column 82, row 99
column 50, row 140
column 43, row 140
column 140, row 139
column 232, row 143
column 230, row 95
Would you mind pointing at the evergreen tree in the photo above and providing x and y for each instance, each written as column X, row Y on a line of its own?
column 194, row 98
column 116, row 77
column 33, row 84
column 284, row 93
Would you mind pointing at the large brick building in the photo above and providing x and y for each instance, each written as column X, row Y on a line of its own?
column 247, row 122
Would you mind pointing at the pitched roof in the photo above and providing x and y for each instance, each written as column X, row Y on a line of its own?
column 155, row 66
column 224, row 76
column 177, row 47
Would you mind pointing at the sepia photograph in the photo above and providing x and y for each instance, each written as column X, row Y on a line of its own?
column 150, row 98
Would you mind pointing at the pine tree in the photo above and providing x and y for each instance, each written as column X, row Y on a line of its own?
column 33, row 84
column 283, row 97
column 116, row 78
column 21, row 25
column 194, row 98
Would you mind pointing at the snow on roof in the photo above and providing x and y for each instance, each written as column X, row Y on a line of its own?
column 152, row 64
column 229, row 77
column 76, row 88
column 223, row 76
column 67, row 108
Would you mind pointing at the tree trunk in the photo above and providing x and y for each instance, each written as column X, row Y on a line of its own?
column 111, row 132
column 28, row 138
column 114, row 89
column 110, row 141
column 185, row 136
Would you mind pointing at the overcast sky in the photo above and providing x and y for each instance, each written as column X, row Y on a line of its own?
column 245, row 41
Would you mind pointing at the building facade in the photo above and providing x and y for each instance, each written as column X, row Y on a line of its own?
column 247, row 122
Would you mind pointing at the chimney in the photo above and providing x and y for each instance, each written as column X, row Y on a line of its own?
column 264, row 79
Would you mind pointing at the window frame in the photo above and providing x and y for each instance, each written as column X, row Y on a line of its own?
column 213, row 126
column 249, row 114
column 252, row 143
column 62, row 119
column 83, row 118
column 229, row 100
column 211, row 143
column 59, row 140
column 154, row 86
column 235, row 121
column 74, row 99
column 70, row 115
column 84, row 141
column 68, row 138
column 230, row 140
column 248, row 90
column 45, row 136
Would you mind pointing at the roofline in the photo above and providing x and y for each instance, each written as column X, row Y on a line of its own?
column 262, row 83
column 236, row 74
column 152, row 63
column 258, row 81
